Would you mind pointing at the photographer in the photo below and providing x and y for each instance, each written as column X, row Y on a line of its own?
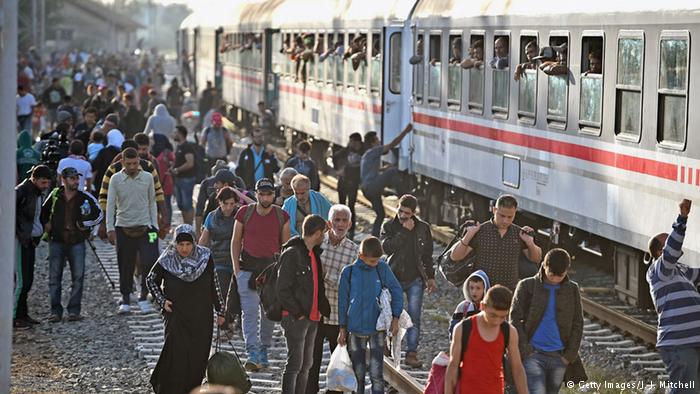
column 497, row 244
column 68, row 214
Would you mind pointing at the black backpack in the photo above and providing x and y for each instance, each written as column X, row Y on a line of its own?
column 466, row 332
column 201, row 166
column 456, row 272
column 266, row 284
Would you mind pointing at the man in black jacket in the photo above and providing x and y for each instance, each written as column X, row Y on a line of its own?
column 302, row 293
column 28, row 231
column 255, row 162
column 69, row 214
column 408, row 242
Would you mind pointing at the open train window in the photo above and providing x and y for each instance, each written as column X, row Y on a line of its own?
column 454, row 73
column 359, row 61
column 418, row 61
column 673, row 88
column 395, row 63
column 476, row 73
column 558, row 82
column 375, row 60
column 526, row 75
column 591, row 99
column 339, row 63
column 500, row 64
column 628, row 85
column 347, row 63
column 328, row 57
column 434, row 69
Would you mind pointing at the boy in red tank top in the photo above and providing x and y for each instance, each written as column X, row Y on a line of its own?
column 477, row 367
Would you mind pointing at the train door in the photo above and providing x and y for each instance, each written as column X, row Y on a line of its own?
column 391, row 85
column 218, row 68
column 271, row 49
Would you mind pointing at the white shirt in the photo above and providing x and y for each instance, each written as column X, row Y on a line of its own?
column 25, row 104
column 28, row 72
column 83, row 166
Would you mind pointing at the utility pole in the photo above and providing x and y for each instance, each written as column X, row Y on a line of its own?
column 8, row 170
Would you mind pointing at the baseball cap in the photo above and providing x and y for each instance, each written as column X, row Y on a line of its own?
column 63, row 116
column 69, row 172
column 264, row 185
column 40, row 171
column 225, row 176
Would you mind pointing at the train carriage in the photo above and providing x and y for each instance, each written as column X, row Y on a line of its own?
column 597, row 158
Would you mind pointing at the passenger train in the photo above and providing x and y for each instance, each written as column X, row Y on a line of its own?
column 598, row 159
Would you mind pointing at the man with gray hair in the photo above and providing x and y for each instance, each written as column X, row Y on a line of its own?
column 284, row 190
column 338, row 252
column 303, row 203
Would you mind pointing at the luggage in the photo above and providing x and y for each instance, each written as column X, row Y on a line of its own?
column 456, row 272
column 226, row 369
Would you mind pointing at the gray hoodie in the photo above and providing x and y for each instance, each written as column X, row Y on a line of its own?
column 160, row 122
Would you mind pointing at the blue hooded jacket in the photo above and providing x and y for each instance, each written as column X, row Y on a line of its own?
column 358, row 309
column 319, row 206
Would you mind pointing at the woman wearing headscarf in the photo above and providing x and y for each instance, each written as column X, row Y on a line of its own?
column 163, row 152
column 183, row 282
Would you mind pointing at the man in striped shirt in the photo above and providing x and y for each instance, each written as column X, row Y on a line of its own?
column 338, row 252
column 674, row 291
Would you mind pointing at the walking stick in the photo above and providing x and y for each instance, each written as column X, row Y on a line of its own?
column 99, row 261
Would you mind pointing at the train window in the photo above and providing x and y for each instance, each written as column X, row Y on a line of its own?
column 328, row 58
column 526, row 75
column 558, row 83
column 395, row 64
column 375, row 78
column 500, row 63
column 418, row 61
column 628, row 87
column 591, row 100
column 339, row 63
column 277, row 55
column 359, row 61
column 347, row 63
column 454, row 73
column 673, row 88
column 434, row 68
column 476, row 73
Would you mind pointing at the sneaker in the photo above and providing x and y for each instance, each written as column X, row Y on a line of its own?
column 123, row 309
column 252, row 364
column 20, row 324
column 263, row 359
column 55, row 319
column 412, row 360
column 31, row 320
column 146, row 306
column 74, row 317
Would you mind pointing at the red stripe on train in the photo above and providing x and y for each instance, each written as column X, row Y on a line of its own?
column 331, row 98
column 595, row 155
column 241, row 77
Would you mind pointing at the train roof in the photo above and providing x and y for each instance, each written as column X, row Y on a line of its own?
column 467, row 9
column 223, row 14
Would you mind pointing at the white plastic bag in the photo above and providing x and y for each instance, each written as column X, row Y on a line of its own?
column 340, row 376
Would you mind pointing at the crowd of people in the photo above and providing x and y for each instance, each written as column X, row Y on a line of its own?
column 103, row 169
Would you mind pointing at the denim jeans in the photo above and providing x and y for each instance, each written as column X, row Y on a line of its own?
column 127, row 250
column 414, row 294
column 58, row 254
column 682, row 365
column 373, row 191
column 184, row 187
column 545, row 373
column 300, row 336
column 257, row 329
column 357, row 346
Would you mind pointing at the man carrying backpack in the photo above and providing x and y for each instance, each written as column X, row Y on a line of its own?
column 216, row 140
column 479, row 346
column 301, row 292
column 258, row 233
column 185, row 172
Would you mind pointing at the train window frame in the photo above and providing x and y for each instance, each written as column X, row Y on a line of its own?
column 395, row 63
column 331, row 38
column 500, row 112
column 474, row 107
column 667, row 35
column 525, row 117
column 554, row 121
column 349, row 75
column 339, row 63
column 362, row 84
column 455, row 104
column 379, row 35
column 620, row 87
column 585, row 126
column 318, row 65
column 310, row 66
column 419, row 70
column 434, row 100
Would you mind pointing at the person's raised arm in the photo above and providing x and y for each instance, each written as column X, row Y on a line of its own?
column 461, row 248
column 393, row 144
